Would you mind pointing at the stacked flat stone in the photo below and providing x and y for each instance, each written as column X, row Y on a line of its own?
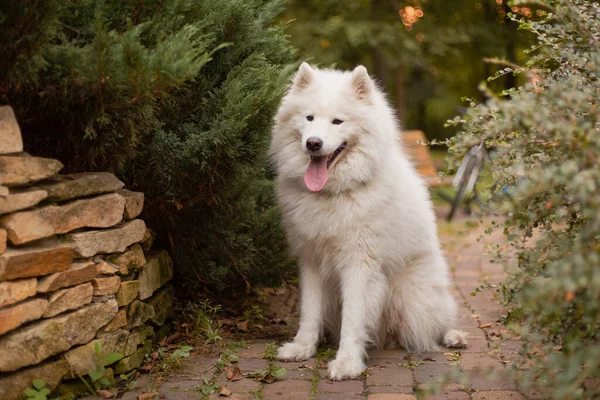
column 73, row 270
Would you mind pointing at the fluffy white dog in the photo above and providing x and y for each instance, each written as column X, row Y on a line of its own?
column 360, row 221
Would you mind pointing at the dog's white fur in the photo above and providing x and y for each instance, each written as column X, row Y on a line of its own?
column 371, row 268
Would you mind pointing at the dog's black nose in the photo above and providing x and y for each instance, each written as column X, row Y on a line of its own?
column 314, row 143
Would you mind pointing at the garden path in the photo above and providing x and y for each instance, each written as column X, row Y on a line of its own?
column 392, row 374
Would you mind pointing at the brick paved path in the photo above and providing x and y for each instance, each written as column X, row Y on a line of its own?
column 392, row 374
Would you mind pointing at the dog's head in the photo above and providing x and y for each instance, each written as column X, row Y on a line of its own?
column 327, row 133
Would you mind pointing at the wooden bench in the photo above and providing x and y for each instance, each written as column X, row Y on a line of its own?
column 421, row 158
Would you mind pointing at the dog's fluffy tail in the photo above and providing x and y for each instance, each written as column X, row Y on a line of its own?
column 455, row 338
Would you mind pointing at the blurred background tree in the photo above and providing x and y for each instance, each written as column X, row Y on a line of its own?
column 426, row 53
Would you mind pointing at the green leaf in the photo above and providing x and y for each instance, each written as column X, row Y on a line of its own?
column 95, row 375
column 44, row 392
column 29, row 392
column 38, row 384
column 104, row 381
column 112, row 358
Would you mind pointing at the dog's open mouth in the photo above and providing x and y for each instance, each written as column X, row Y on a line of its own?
column 317, row 172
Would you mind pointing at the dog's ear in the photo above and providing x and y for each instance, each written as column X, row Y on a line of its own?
column 362, row 83
column 303, row 77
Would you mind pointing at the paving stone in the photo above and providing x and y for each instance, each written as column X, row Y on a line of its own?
column 390, row 376
column 157, row 271
column 130, row 260
column 106, row 285
column 114, row 240
column 14, row 384
column 79, row 272
column 134, row 203
column 34, row 260
column 255, row 350
column 13, row 316
column 290, row 390
column 127, row 292
column 66, row 187
column 471, row 361
column 21, row 168
column 20, row 200
column 391, row 396
column 3, row 191
column 430, row 372
column 14, row 291
column 3, row 239
column 399, row 354
column 497, row 395
column 447, row 396
column 69, row 299
column 348, row 386
column 244, row 385
column 338, row 396
column 252, row 364
column 47, row 337
column 10, row 134
column 390, row 389
column 498, row 380
column 476, row 345
column 97, row 212
column 234, row 396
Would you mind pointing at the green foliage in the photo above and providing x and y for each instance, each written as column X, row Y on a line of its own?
column 270, row 352
column 547, row 139
column 271, row 374
column 205, row 322
column 98, row 375
column 175, row 97
column 208, row 387
column 38, row 391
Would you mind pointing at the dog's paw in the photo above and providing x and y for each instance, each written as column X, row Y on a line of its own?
column 345, row 368
column 294, row 352
column 455, row 339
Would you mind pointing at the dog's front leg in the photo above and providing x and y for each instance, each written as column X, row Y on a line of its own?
column 363, row 290
column 311, row 318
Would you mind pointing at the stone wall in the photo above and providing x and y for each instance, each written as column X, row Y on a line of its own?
column 75, row 270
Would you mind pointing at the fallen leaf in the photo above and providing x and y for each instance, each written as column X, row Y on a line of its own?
column 234, row 373
column 146, row 395
column 225, row 392
column 569, row 296
column 147, row 367
column 381, row 363
column 303, row 366
column 429, row 359
column 242, row 326
column 105, row 394
column 487, row 325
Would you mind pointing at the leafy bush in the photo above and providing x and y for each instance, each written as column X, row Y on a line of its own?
column 547, row 137
column 176, row 97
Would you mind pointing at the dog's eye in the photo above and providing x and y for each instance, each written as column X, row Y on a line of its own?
column 310, row 117
column 337, row 121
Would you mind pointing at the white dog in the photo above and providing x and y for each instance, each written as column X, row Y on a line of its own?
column 360, row 221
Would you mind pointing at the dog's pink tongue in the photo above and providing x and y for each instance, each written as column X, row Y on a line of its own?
column 316, row 174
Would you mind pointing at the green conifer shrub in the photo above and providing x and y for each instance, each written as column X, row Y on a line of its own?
column 177, row 98
column 547, row 137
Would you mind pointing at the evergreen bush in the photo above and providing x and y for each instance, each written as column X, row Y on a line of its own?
column 175, row 97
column 547, row 137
